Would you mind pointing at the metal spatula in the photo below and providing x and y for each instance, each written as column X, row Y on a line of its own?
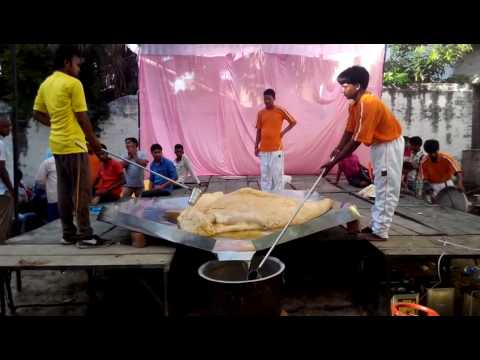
column 254, row 271
column 195, row 191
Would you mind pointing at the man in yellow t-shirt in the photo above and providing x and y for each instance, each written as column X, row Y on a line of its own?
column 268, row 144
column 61, row 105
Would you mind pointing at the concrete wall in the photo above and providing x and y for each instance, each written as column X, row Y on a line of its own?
column 435, row 111
column 122, row 123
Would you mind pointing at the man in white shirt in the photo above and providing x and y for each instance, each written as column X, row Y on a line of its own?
column 183, row 165
column 47, row 179
column 7, row 193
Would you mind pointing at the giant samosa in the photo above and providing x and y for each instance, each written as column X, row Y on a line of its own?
column 244, row 210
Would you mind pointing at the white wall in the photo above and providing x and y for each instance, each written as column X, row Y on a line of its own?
column 122, row 123
column 435, row 111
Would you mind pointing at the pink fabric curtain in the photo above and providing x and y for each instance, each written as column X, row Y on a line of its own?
column 206, row 97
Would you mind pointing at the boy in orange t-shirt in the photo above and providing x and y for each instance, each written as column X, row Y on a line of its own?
column 268, row 145
column 109, row 180
column 438, row 169
column 370, row 122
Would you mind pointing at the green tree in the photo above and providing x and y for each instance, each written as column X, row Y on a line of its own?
column 108, row 72
column 34, row 63
column 417, row 63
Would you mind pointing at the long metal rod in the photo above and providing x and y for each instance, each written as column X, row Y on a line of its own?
column 291, row 219
column 147, row 169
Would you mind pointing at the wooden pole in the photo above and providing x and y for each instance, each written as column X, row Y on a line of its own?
column 476, row 118
column 16, row 180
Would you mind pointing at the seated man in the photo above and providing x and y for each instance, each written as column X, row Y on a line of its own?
column 109, row 180
column 412, row 165
column 356, row 174
column 438, row 169
column 183, row 166
column 162, row 166
column 94, row 163
column 46, row 178
column 134, row 181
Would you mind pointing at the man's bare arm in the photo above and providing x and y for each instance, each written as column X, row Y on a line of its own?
column 288, row 128
column 41, row 117
column 339, row 174
column 86, row 126
column 345, row 139
column 257, row 141
column 349, row 148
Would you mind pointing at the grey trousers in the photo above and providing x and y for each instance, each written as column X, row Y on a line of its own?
column 74, row 193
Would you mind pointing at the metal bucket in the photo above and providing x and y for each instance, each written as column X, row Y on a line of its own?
column 230, row 294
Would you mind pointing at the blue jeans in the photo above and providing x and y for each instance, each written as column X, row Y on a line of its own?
column 52, row 212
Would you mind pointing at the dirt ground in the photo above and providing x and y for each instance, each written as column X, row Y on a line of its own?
column 55, row 287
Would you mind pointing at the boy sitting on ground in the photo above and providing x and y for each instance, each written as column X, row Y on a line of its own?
column 109, row 180
column 438, row 170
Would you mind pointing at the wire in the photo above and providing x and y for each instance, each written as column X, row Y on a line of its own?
column 439, row 271
column 444, row 242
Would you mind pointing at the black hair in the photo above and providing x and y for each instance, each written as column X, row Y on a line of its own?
column 155, row 147
column 103, row 146
column 131, row 139
column 354, row 75
column 431, row 146
column 178, row 146
column 65, row 53
column 415, row 140
column 270, row 92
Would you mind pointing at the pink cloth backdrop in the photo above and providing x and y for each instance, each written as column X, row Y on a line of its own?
column 206, row 97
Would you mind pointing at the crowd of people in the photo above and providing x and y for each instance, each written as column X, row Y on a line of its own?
column 80, row 172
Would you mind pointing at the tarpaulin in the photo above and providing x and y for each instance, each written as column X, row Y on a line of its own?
column 207, row 97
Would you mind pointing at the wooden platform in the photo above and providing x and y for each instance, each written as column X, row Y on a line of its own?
column 40, row 249
column 418, row 229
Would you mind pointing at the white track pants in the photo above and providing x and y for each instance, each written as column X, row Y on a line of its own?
column 271, row 171
column 437, row 187
column 387, row 160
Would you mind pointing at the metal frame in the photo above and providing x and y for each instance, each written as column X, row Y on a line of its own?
column 6, row 288
column 145, row 215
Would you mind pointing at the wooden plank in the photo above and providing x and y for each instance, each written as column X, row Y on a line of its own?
column 428, row 245
column 51, row 233
column 448, row 221
column 348, row 198
column 216, row 186
column 420, row 229
column 104, row 261
column 344, row 185
column 71, row 250
column 400, row 225
column 233, row 185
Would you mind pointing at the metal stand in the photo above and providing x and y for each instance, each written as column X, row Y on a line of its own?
column 6, row 293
